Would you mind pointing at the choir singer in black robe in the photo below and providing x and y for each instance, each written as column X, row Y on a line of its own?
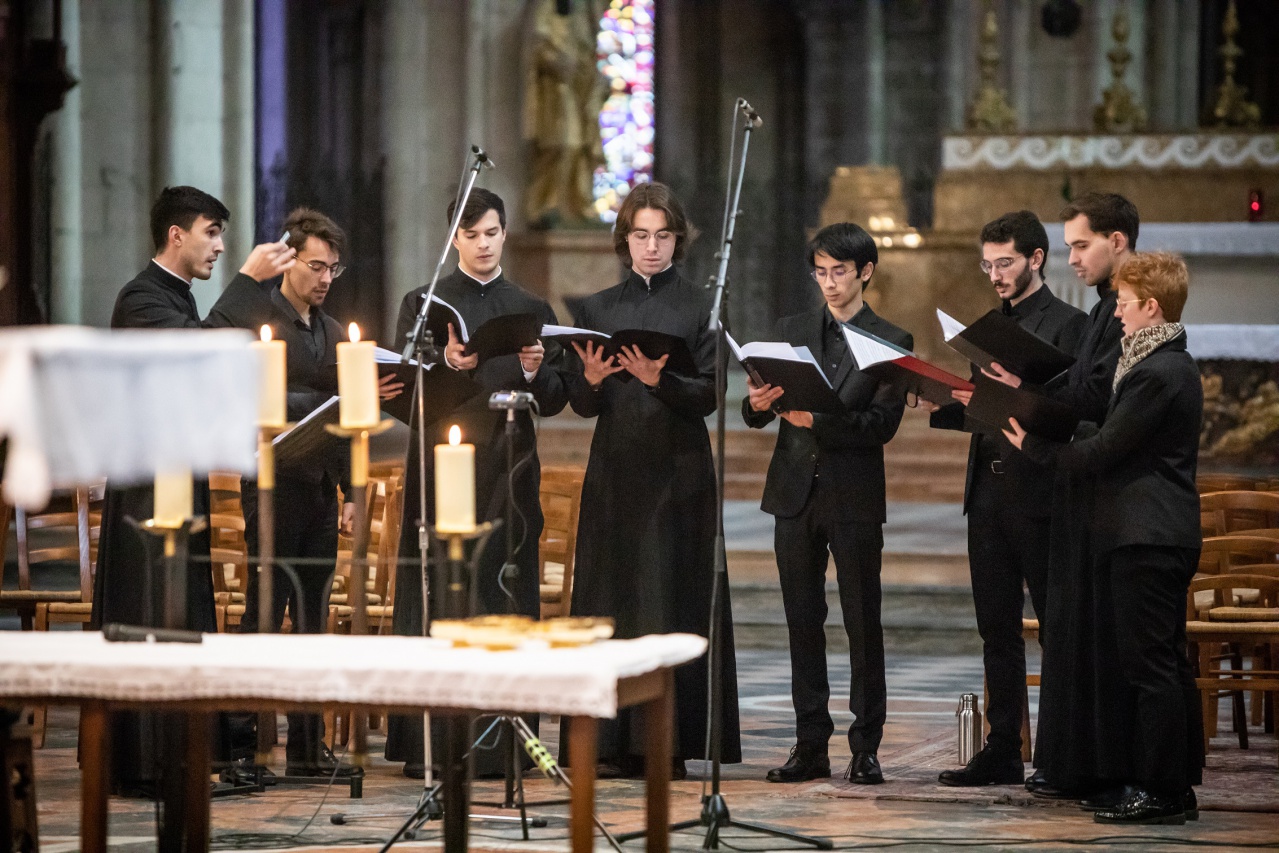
column 186, row 227
column 645, row 544
column 1145, row 539
column 479, row 291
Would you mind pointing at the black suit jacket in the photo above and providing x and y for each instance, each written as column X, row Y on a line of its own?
column 1061, row 325
column 1145, row 456
column 848, row 447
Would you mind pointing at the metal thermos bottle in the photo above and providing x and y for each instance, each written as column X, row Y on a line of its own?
column 969, row 716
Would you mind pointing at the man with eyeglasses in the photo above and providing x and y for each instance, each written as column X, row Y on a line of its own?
column 825, row 489
column 1081, row 750
column 307, row 518
column 1007, row 499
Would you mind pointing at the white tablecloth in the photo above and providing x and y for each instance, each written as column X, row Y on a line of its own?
column 1231, row 341
column 80, row 404
column 377, row 671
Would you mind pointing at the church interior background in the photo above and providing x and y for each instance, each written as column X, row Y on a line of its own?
column 919, row 119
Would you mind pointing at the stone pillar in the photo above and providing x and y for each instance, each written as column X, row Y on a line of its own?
column 410, row 184
column 961, row 29
column 239, row 184
column 876, row 96
column 1018, row 23
column 67, row 268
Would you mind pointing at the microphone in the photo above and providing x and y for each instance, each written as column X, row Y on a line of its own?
column 117, row 633
column 481, row 157
column 752, row 117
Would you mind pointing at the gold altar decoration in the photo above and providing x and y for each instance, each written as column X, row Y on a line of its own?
column 502, row 633
column 563, row 94
column 990, row 111
column 1119, row 111
column 1232, row 109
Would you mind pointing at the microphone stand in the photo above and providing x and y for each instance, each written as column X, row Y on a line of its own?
column 420, row 346
column 715, row 815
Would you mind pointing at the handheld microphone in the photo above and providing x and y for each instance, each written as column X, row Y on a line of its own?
column 117, row 633
column 752, row 117
column 481, row 157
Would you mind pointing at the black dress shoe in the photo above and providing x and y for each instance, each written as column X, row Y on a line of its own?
column 986, row 768
column 864, row 769
column 805, row 763
column 1035, row 779
column 325, row 764
column 1039, row 785
column 1192, row 804
column 1144, row 807
column 415, row 769
column 1107, row 798
column 243, row 771
column 679, row 771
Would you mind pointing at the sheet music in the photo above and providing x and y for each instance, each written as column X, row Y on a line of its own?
column 458, row 323
column 868, row 349
column 385, row 356
column 326, row 406
column 949, row 325
column 550, row 329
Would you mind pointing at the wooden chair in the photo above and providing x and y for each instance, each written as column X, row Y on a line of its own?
column 67, row 531
column 1225, row 483
column 1255, row 629
column 561, row 497
column 228, row 551
column 1219, row 553
column 1234, row 512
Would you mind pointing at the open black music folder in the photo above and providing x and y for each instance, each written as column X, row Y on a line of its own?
column 791, row 368
column 901, row 368
column 994, row 337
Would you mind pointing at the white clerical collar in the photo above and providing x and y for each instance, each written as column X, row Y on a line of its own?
column 497, row 273
column 648, row 279
column 170, row 272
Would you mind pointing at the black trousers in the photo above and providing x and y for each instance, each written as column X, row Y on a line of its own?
column 1005, row 549
column 1149, row 586
column 306, row 527
column 804, row 545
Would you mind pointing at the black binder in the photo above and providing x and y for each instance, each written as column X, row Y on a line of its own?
column 652, row 344
column 796, row 372
column 994, row 403
column 994, row 337
column 504, row 335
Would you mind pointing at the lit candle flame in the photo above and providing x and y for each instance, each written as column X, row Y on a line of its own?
column 455, row 435
column 266, row 333
column 353, row 331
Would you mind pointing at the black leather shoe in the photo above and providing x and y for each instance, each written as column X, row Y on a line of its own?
column 1192, row 805
column 1039, row 785
column 325, row 764
column 243, row 771
column 1106, row 799
column 1143, row 807
column 805, row 763
column 679, row 770
column 864, row 769
column 986, row 768
column 415, row 770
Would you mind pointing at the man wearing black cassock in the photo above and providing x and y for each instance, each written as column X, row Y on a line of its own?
column 186, row 227
column 825, row 489
column 1146, row 542
column 1007, row 499
column 479, row 291
column 1080, row 736
column 646, row 532
column 306, row 493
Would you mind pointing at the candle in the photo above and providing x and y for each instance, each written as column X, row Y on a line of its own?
column 173, row 492
column 271, row 393
column 357, row 383
column 455, row 484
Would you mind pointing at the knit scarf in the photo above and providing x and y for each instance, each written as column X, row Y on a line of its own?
column 1142, row 343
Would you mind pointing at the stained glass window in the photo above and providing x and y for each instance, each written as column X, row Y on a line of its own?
column 624, row 51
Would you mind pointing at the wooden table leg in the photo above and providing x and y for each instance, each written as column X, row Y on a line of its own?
column 583, row 747
column 196, row 826
column 658, row 749
column 95, row 771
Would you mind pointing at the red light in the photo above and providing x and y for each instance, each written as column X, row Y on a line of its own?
column 1256, row 206
column 1256, row 202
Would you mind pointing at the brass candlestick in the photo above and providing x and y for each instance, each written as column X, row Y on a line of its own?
column 1119, row 111
column 1233, row 109
column 990, row 111
column 357, row 596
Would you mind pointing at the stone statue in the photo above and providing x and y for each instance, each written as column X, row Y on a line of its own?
column 563, row 94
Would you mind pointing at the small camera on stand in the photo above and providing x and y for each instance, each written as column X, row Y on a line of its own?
column 510, row 401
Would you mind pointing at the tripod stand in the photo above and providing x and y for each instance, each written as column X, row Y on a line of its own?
column 715, row 814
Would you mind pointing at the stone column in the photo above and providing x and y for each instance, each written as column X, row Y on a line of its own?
column 67, row 268
column 410, row 186
column 876, row 96
column 961, row 28
column 1017, row 24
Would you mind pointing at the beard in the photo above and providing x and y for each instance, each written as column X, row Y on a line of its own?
column 1022, row 284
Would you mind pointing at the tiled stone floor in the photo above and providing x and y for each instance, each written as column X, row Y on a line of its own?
column 922, row 697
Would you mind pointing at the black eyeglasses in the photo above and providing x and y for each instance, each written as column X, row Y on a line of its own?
column 318, row 267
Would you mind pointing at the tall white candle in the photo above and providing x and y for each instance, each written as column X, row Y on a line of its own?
column 455, row 484
column 357, row 383
column 173, row 497
column 272, row 391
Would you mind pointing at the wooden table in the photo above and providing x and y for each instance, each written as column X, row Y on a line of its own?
column 359, row 674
